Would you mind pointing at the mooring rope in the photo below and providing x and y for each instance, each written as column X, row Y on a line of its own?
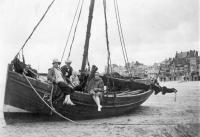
column 51, row 96
column 56, row 112
column 52, row 109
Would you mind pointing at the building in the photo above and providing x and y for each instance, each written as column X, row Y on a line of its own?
column 136, row 69
column 184, row 66
column 153, row 71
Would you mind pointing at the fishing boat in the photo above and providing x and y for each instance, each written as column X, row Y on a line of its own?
column 31, row 93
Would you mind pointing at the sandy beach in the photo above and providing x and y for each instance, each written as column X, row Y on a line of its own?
column 140, row 38
column 159, row 116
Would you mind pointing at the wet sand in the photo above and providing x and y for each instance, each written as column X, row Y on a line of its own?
column 159, row 116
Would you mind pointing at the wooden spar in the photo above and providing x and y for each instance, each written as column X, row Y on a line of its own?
column 107, row 42
column 86, row 47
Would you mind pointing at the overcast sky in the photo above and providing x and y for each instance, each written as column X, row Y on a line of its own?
column 153, row 30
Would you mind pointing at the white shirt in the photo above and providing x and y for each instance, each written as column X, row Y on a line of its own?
column 58, row 75
column 74, row 80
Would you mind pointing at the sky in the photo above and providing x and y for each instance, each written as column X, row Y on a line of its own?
column 153, row 31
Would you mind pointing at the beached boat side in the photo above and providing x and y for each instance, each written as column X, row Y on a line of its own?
column 19, row 94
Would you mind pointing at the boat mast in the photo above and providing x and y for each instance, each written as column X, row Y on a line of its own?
column 86, row 47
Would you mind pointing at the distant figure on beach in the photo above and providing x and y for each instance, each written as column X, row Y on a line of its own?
column 67, row 70
column 55, row 75
column 95, row 86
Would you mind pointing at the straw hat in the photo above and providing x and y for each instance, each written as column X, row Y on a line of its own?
column 68, row 61
column 56, row 61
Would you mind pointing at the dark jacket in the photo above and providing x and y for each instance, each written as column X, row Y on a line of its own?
column 66, row 71
column 95, row 84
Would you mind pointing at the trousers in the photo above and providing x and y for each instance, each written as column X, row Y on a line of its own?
column 65, row 88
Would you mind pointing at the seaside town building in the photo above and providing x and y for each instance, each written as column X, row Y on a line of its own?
column 184, row 66
column 152, row 71
column 137, row 69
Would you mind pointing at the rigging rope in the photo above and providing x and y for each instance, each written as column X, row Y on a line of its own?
column 70, row 30
column 36, row 27
column 121, row 31
column 121, row 37
column 107, row 41
column 75, row 29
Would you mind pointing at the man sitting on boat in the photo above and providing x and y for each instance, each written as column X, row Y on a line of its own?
column 55, row 75
column 67, row 70
column 95, row 87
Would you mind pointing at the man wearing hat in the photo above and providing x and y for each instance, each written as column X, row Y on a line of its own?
column 55, row 75
column 67, row 69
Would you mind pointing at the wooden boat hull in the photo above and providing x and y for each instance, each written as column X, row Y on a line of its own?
column 19, row 94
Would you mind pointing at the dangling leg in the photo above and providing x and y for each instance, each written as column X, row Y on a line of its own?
column 97, row 101
column 94, row 98
column 71, row 91
column 67, row 90
column 68, row 100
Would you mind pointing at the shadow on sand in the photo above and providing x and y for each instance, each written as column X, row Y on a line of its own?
column 19, row 117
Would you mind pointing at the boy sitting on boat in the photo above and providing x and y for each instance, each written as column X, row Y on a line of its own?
column 55, row 75
column 95, row 86
column 67, row 70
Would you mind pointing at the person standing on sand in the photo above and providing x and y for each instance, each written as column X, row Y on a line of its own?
column 55, row 76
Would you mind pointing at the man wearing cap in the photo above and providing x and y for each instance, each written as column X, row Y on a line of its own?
column 55, row 75
column 67, row 69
